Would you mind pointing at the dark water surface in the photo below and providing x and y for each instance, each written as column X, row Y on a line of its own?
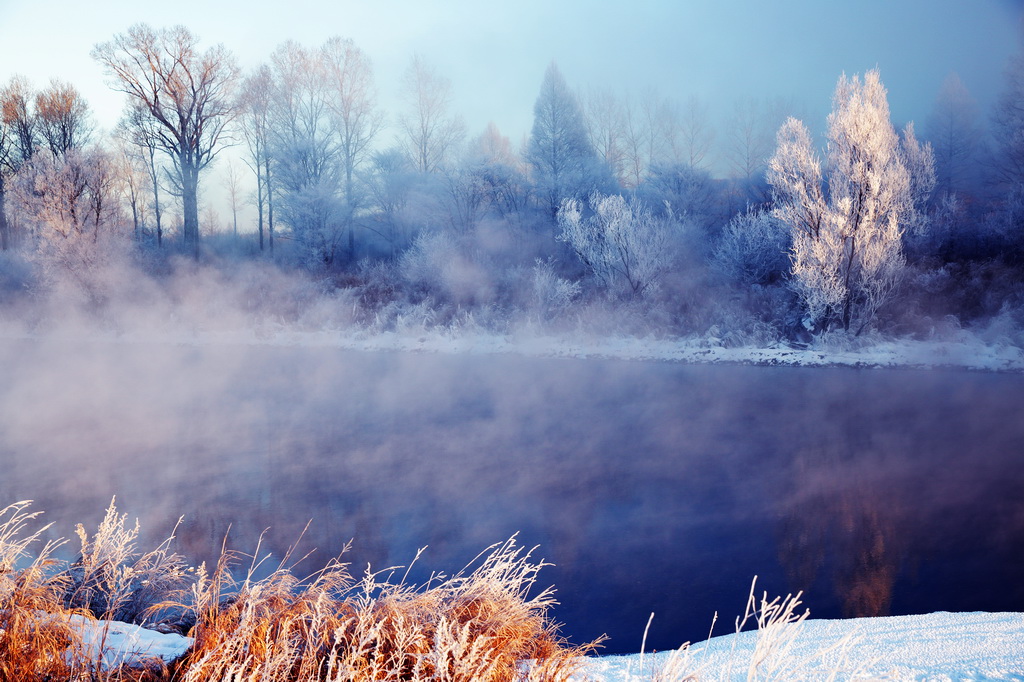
column 650, row 486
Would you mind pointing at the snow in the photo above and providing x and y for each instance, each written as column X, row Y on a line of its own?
column 966, row 352
column 111, row 643
column 937, row 646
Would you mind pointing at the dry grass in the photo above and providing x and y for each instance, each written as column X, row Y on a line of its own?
column 774, row 654
column 480, row 624
column 32, row 641
column 487, row 623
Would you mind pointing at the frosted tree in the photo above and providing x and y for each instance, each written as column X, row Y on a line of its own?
column 559, row 150
column 847, row 254
column 133, row 180
column 305, row 151
column 189, row 92
column 357, row 120
column 623, row 244
column 753, row 248
column 71, row 202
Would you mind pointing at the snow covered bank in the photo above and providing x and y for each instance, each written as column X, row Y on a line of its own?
column 937, row 646
column 968, row 352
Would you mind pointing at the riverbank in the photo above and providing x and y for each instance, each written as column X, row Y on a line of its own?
column 964, row 351
column 937, row 646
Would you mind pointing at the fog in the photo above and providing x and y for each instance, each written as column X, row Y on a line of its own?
column 650, row 486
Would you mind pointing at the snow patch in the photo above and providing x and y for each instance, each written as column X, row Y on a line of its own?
column 111, row 644
column 938, row 646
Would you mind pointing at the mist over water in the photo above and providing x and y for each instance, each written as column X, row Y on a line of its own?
column 650, row 486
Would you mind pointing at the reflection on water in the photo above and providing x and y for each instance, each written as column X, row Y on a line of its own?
column 652, row 487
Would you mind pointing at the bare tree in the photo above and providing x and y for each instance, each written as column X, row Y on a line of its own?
column 232, row 183
column 430, row 133
column 190, row 94
column 255, row 113
column 605, row 116
column 130, row 168
column 357, row 120
column 749, row 140
column 6, row 164
column 64, row 119
column 696, row 132
column 15, row 102
column 140, row 129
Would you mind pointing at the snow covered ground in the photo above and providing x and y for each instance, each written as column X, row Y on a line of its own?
column 966, row 351
column 940, row 646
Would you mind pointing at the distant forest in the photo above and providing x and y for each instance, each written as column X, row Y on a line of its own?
column 606, row 218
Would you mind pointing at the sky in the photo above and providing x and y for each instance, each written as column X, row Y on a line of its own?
column 495, row 54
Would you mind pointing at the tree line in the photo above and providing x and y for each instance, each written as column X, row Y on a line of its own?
column 606, row 196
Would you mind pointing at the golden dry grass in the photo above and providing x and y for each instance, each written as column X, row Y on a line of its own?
column 487, row 623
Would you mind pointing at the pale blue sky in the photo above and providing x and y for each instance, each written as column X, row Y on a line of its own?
column 495, row 53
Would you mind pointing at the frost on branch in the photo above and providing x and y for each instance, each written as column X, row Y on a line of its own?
column 621, row 242
column 847, row 252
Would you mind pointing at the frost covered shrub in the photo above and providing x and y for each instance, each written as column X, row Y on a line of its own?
column 623, row 244
column 753, row 249
column 551, row 295
column 437, row 263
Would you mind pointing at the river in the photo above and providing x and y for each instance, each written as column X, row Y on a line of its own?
column 651, row 487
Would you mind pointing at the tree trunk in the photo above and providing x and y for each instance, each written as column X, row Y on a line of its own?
column 350, row 213
column 190, row 208
column 259, row 203
column 5, row 228
column 270, row 204
column 156, row 197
